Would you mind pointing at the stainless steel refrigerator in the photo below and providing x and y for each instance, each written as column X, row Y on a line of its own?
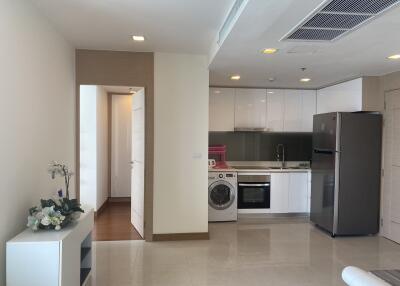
column 346, row 172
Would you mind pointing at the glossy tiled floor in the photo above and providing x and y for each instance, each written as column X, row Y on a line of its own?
column 252, row 252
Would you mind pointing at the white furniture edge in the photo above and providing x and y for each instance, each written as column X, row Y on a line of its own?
column 354, row 276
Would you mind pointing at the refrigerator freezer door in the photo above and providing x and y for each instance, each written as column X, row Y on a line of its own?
column 323, row 190
column 360, row 173
column 324, row 132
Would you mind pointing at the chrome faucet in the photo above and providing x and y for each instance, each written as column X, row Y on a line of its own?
column 280, row 150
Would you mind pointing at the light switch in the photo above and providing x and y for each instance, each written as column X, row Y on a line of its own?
column 197, row 156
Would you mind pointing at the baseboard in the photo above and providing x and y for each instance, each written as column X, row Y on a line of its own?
column 101, row 209
column 119, row 200
column 181, row 236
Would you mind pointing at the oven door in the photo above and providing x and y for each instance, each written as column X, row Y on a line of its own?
column 254, row 195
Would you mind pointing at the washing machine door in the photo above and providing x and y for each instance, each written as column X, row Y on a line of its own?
column 221, row 195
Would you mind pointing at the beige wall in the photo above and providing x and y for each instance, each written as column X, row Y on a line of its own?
column 389, row 82
column 181, row 140
column 371, row 94
column 36, row 113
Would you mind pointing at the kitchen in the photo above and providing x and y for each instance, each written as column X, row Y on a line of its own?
column 261, row 148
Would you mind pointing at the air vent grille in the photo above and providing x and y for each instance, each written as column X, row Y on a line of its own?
column 338, row 17
column 316, row 34
column 359, row 6
column 342, row 21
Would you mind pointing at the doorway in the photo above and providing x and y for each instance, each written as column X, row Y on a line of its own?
column 112, row 135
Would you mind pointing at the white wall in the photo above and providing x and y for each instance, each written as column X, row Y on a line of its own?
column 102, row 147
column 93, row 146
column 346, row 96
column 88, row 148
column 181, row 140
column 37, row 119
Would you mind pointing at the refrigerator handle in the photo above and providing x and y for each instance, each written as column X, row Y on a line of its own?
column 324, row 151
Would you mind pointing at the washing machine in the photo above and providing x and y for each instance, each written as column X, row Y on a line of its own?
column 222, row 196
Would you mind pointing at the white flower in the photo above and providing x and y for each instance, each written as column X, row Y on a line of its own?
column 46, row 221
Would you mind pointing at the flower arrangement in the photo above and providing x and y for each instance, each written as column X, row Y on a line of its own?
column 55, row 213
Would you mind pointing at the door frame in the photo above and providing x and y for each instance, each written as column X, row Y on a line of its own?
column 120, row 69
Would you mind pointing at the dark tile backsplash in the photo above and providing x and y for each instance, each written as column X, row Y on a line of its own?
column 261, row 146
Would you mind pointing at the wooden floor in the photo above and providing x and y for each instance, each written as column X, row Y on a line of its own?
column 114, row 223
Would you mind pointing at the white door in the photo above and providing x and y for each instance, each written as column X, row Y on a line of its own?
column 391, row 183
column 222, row 109
column 138, row 143
column 121, row 145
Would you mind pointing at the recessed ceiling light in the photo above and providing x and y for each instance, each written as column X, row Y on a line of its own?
column 217, row 91
column 305, row 79
column 270, row 92
column 138, row 38
column 394, row 57
column 269, row 51
column 271, row 79
column 235, row 77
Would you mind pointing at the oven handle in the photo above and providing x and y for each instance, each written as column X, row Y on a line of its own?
column 254, row 185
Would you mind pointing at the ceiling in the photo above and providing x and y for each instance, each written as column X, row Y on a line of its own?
column 263, row 23
column 181, row 26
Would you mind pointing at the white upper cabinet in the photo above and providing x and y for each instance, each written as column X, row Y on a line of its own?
column 346, row 96
column 293, row 111
column 250, row 108
column 309, row 108
column 222, row 109
column 300, row 106
column 275, row 109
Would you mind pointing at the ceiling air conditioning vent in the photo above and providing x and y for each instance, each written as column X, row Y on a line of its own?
column 335, row 18
column 315, row 34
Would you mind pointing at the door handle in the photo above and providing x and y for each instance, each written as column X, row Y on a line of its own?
column 253, row 185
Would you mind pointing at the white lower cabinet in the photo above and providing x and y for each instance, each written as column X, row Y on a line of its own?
column 290, row 193
column 298, row 193
column 279, row 192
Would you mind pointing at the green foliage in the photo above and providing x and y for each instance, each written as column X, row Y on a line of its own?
column 64, row 205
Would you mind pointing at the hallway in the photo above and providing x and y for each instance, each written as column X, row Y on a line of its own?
column 114, row 223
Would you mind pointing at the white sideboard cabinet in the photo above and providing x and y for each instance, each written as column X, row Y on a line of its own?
column 52, row 258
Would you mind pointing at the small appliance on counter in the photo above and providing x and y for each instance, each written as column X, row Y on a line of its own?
column 218, row 154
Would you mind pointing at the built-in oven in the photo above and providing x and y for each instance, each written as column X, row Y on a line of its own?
column 254, row 191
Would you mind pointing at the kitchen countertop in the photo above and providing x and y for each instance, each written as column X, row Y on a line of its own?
column 264, row 166
column 259, row 170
